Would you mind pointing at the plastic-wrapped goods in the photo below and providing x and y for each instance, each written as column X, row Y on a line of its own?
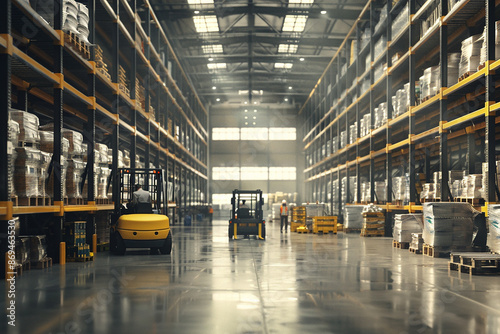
column 97, row 171
column 382, row 18
column 315, row 210
column 474, row 185
column 83, row 22
column 26, row 172
column 380, row 114
column 493, row 241
column 13, row 132
column 365, row 37
column 399, row 188
column 379, row 71
column 103, row 183
column 430, row 82
column 353, row 133
column 448, row 225
column 38, row 247
column 50, row 183
column 353, row 216
column 471, row 53
column 365, row 85
column 417, row 242
column 22, row 250
column 28, row 125
column 70, row 16
column 47, row 143
column 428, row 191
column 454, row 180
column 343, row 139
column 101, row 154
column 365, row 192
column 334, row 144
column 405, row 225
column 381, row 191
column 485, row 172
column 74, row 177
column 483, row 56
column 400, row 21
column 380, row 46
column 44, row 172
column 453, row 66
column 75, row 139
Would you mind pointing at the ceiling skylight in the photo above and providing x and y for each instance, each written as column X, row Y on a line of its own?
column 295, row 23
column 212, row 48
column 216, row 66
column 206, row 23
column 287, row 48
column 302, row 3
column 283, row 65
column 200, row 2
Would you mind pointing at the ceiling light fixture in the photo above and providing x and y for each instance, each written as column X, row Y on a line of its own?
column 302, row 59
column 253, row 123
column 255, row 110
column 246, row 110
column 210, row 59
column 255, row 117
column 197, row 12
column 245, row 102
column 213, row 87
column 246, row 117
column 323, row 12
column 290, row 87
column 246, row 123
column 286, row 100
column 217, row 99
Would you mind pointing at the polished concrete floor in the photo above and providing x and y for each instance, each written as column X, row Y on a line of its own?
column 290, row 283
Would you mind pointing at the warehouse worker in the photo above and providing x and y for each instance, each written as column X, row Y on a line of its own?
column 243, row 205
column 141, row 200
column 243, row 210
column 284, row 216
column 210, row 213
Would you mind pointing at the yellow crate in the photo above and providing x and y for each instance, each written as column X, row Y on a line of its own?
column 325, row 224
column 294, row 225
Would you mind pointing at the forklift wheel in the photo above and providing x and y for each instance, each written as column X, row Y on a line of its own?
column 230, row 232
column 167, row 247
column 117, row 246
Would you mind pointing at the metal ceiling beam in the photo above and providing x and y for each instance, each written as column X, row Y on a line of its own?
column 193, row 60
column 187, row 42
column 173, row 14
column 258, row 74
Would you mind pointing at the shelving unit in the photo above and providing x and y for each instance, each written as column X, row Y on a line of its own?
column 432, row 136
column 165, row 125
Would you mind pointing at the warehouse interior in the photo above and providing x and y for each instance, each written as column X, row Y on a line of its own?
column 369, row 126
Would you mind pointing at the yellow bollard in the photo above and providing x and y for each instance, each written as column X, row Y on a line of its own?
column 260, row 232
column 94, row 244
column 235, row 231
column 62, row 253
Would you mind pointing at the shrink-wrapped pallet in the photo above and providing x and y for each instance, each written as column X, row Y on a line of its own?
column 28, row 126
column 405, row 225
column 27, row 172
column 381, row 191
column 101, row 154
column 483, row 56
column 44, row 172
column 353, row 216
column 22, row 250
column 343, row 139
column 353, row 133
column 50, row 183
column 38, row 247
column 448, row 225
column 494, row 228
column 75, row 140
column 83, row 23
column 471, row 54
column 47, row 143
column 417, row 242
column 474, row 185
column 11, row 154
column 104, row 173
column 400, row 21
column 74, row 173
column 97, row 171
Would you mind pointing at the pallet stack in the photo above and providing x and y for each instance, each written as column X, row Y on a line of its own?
column 373, row 224
column 325, row 224
column 475, row 263
column 298, row 218
column 101, row 66
column 417, row 243
column 123, row 81
column 140, row 93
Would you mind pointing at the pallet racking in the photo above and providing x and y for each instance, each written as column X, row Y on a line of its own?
column 45, row 74
column 433, row 136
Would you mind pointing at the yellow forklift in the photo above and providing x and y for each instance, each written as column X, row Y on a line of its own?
column 143, row 225
column 246, row 214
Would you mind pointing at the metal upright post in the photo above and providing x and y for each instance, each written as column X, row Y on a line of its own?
column 411, row 125
column 115, row 109
column 490, row 140
column 358, row 91
column 89, row 133
column 5, row 103
column 147, row 94
column 443, row 105
column 471, row 151
column 372, row 104
column 389, row 91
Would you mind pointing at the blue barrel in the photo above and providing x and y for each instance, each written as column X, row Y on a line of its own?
column 199, row 217
column 187, row 220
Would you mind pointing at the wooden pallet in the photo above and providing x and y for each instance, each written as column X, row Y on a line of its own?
column 400, row 245
column 14, row 200
column 352, row 230
column 465, row 75
column 371, row 233
column 104, row 247
column 105, row 73
column 21, row 268
column 415, row 250
column 76, row 201
column 76, row 44
column 44, row 263
column 22, row 143
column 433, row 251
column 33, row 201
column 102, row 201
column 303, row 229
column 475, row 263
column 124, row 90
column 473, row 201
column 80, row 259
column 429, row 200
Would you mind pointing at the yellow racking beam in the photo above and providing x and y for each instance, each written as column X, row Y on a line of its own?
column 465, row 118
column 427, row 103
column 465, row 82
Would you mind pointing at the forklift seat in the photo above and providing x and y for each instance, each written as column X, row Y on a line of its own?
column 243, row 213
column 143, row 208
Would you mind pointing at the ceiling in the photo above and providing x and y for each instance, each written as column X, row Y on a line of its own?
column 256, row 51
